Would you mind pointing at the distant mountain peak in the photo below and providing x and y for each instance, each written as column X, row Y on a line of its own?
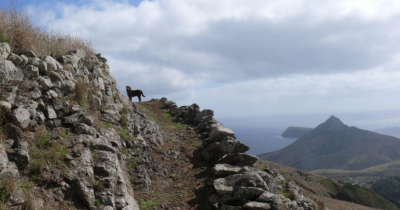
column 333, row 120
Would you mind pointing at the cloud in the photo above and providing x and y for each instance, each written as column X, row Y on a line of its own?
column 364, row 91
column 240, row 57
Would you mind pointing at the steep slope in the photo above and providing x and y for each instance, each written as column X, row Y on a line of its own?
column 295, row 132
column 71, row 140
column 334, row 145
column 334, row 194
column 364, row 177
column 388, row 188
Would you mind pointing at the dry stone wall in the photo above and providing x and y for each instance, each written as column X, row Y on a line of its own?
column 237, row 184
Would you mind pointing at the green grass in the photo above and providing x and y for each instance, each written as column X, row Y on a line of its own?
column 124, row 134
column 179, row 125
column 149, row 204
column 196, row 143
column 285, row 193
column 167, row 116
column 259, row 167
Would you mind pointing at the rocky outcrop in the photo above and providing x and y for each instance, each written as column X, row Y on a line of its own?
column 56, row 133
column 236, row 183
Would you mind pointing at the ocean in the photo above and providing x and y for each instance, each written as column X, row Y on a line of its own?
column 263, row 140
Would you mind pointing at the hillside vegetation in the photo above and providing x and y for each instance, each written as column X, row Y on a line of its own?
column 20, row 32
column 332, row 192
column 388, row 188
column 363, row 177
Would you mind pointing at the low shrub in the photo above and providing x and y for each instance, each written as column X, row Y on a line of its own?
column 81, row 93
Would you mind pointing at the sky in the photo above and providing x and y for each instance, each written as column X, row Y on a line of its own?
column 265, row 62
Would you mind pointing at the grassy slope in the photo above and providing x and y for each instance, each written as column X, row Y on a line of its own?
column 363, row 177
column 325, row 189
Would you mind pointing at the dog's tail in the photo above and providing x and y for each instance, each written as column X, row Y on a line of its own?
column 142, row 94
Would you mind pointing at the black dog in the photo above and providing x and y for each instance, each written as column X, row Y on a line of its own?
column 132, row 93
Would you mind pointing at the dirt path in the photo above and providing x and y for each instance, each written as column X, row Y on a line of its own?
column 185, row 187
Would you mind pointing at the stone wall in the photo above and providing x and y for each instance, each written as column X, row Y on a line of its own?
column 237, row 183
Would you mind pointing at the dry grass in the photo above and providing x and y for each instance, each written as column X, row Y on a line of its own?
column 81, row 93
column 124, row 120
column 18, row 29
column 292, row 195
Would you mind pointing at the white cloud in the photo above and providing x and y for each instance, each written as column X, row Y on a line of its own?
column 283, row 56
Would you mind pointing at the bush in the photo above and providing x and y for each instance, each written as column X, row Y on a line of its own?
column 292, row 195
column 18, row 29
column 81, row 93
column 124, row 120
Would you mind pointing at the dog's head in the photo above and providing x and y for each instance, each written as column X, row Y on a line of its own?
column 128, row 88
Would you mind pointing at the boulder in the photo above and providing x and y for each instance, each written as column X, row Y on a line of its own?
column 71, row 119
column 16, row 59
column 68, row 86
column 247, row 193
column 17, row 197
column 19, row 117
column 7, row 70
column 32, row 71
column 16, row 75
column 266, row 197
column 76, row 108
column 14, row 132
column 226, row 146
column 238, row 159
column 45, row 82
column 5, row 50
column 225, row 199
column 268, row 178
column 225, row 170
column 256, row 206
column 23, row 153
column 5, row 106
column 39, row 63
column 226, row 207
column 50, row 113
column 51, row 63
column 87, row 120
column 227, row 185
column 35, row 94
column 28, row 53
column 219, row 132
column 24, row 61
column 81, row 128
column 206, row 112
column 77, row 52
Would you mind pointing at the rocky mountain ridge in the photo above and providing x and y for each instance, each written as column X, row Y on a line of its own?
column 71, row 140
column 334, row 145
column 295, row 132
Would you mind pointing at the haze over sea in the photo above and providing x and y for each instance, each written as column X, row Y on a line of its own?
column 263, row 134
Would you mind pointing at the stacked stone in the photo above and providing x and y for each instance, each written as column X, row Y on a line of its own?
column 37, row 92
column 238, row 185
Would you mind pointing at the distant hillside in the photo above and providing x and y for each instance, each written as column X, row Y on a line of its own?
column 334, row 145
column 392, row 131
column 295, row 132
column 363, row 177
column 388, row 188
column 332, row 192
